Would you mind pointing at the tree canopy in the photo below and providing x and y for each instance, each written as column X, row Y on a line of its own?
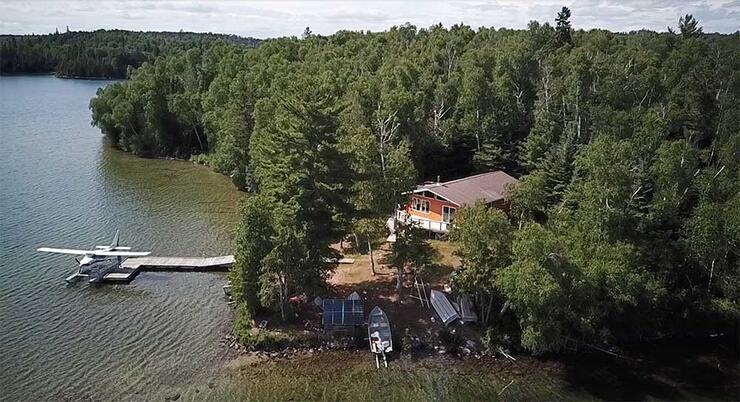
column 98, row 54
column 624, row 224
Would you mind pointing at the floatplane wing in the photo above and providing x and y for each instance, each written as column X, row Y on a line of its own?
column 122, row 253
column 64, row 251
column 94, row 252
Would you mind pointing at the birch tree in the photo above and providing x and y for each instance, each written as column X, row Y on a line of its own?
column 483, row 236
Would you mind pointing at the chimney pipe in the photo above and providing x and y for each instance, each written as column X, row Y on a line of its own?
column 437, row 179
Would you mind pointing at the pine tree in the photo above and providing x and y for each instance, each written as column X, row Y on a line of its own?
column 689, row 26
column 558, row 167
column 562, row 27
column 489, row 157
column 544, row 134
column 307, row 33
column 298, row 167
column 253, row 243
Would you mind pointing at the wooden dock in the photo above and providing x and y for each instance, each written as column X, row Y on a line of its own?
column 131, row 267
column 179, row 263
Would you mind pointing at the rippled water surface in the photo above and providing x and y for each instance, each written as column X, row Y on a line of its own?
column 62, row 186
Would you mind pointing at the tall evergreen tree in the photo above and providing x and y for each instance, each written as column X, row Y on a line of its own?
column 298, row 167
column 253, row 244
column 562, row 26
column 688, row 26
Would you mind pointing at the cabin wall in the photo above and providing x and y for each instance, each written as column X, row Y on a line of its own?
column 435, row 213
column 502, row 205
column 435, row 208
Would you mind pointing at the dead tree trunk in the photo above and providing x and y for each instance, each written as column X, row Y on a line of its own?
column 399, row 280
column 545, row 72
column 477, row 131
column 451, row 56
column 283, row 293
column 357, row 241
column 200, row 143
column 487, row 310
column 438, row 115
column 386, row 127
column 372, row 260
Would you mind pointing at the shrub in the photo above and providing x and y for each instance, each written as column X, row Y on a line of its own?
column 451, row 340
column 242, row 323
column 502, row 335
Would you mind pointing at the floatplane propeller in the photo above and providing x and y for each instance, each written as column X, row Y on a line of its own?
column 99, row 254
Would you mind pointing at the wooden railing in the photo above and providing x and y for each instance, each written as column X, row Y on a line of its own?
column 434, row 226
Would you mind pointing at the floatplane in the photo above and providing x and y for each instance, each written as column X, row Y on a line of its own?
column 95, row 264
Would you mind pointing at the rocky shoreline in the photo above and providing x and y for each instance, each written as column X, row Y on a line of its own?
column 409, row 346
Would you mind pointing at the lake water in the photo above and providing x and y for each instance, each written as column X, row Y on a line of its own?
column 62, row 186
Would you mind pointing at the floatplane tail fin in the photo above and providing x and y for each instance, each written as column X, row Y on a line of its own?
column 114, row 244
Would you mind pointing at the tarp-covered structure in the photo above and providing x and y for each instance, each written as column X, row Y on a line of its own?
column 342, row 314
column 354, row 296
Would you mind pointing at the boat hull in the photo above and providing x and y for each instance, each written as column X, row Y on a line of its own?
column 379, row 332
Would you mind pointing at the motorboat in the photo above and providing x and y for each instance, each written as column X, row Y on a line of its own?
column 379, row 332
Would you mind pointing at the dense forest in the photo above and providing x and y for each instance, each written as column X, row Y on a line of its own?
column 98, row 54
column 626, row 224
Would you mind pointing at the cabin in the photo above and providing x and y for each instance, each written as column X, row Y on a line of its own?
column 432, row 206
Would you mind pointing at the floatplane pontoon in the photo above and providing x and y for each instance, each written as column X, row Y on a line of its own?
column 379, row 331
column 95, row 264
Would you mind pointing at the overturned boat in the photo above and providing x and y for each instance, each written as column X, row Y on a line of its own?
column 443, row 307
column 379, row 332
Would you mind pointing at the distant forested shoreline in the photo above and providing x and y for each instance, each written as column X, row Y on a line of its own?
column 98, row 54
column 625, row 223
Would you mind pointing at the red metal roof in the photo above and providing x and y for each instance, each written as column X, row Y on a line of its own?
column 486, row 187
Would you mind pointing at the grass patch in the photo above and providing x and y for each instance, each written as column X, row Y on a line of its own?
column 446, row 251
column 341, row 376
column 670, row 372
column 263, row 339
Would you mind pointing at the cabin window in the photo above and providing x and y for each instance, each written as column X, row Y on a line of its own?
column 448, row 214
column 420, row 205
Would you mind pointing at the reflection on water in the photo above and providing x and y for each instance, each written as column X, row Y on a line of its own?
column 62, row 186
column 173, row 197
